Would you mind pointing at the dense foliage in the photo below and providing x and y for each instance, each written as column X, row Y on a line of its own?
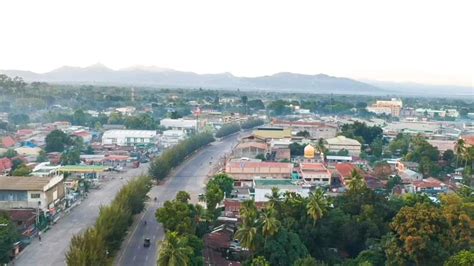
column 99, row 243
column 227, row 129
column 252, row 123
column 8, row 236
column 162, row 165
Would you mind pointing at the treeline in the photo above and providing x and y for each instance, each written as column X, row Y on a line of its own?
column 98, row 244
column 172, row 157
column 252, row 123
column 227, row 129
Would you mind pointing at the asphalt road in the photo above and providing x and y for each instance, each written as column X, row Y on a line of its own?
column 55, row 242
column 190, row 177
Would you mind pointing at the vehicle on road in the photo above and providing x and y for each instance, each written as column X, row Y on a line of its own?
column 146, row 242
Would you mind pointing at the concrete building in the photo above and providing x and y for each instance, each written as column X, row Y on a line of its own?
column 392, row 107
column 269, row 133
column 315, row 173
column 187, row 125
column 247, row 170
column 316, row 130
column 342, row 143
column 129, row 137
column 31, row 192
column 250, row 149
column 172, row 137
column 263, row 187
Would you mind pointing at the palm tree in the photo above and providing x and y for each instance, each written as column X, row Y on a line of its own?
column 248, row 212
column 459, row 149
column 357, row 183
column 269, row 222
column 274, row 199
column 174, row 251
column 317, row 204
column 247, row 235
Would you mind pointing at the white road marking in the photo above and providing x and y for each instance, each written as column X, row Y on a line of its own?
column 134, row 257
column 146, row 258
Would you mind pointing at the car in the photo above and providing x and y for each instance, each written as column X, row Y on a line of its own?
column 146, row 242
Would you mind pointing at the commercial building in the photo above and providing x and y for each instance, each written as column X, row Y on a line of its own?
column 129, row 137
column 247, row 170
column 392, row 107
column 316, row 130
column 269, row 133
column 187, row 125
column 172, row 137
column 250, row 149
column 315, row 173
column 31, row 192
column 342, row 143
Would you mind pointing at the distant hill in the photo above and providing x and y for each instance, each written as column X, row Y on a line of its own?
column 416, row 89
column 162, row 77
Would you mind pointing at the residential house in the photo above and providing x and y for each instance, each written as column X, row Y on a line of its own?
column 344, row 172
column 342, row 143
column 31, row 192
column 429, row 185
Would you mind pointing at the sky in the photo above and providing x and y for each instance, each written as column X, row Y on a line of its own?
column 429, row 42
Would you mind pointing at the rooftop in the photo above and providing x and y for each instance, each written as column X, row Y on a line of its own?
column 82, row 168
column 341, row 140
column 129, row 133
column 23, row 182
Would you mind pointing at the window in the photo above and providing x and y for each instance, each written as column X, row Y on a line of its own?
column 35, row 195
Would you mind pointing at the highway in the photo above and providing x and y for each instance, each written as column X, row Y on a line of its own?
column 55, row 242
column 189, row 177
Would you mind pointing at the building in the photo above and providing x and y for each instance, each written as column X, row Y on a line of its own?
column 172, row 137
column 429, row 185
column 344, row 172
column 263, row 187
column 315, row 173
column 7, row 142
column 129, row 137
column 342, row 143
column 392, row 107
column 186, row 125
column 31, row 192
column 6, row 165
column 316, row 130
column 442, row 145
column 247, row 170
column 46, row 169
column 250, row 149
column 269, row 133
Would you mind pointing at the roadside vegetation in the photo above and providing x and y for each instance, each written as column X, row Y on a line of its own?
column 99, row 243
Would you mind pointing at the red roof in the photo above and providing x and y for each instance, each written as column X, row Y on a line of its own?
column 5, row 164
column 8, row 142
column 345, row 169
column 81, row 133
column 428, row 183
column 469, row 140
column 316, row 167
column 24, row 132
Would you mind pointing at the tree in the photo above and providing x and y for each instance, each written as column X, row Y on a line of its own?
column 79, row 118
column 304, row 134
column 307, row 261
column 8, row 236
column 10, row 153
column 459, row 149
column 317, row 204
column 71, row 157
column 115, row 118
column 259, row 261
column 261, row 156
column 420, row 236
column 174, row 251
column 22, row 170
column 269, row 222
column 227, row 129
column 183, row 196
column 87, row 249
column 57, row 141
column 41, row 157
column 274, row 199
column 394, row 181
column 247, row 235
column 224, row 182
column 463, row 258
column 284, row 248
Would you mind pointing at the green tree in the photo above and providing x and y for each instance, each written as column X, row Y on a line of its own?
column 269, row 223
column 227, row 129
column 88, row 248
column 115, row 118
column 259, row 261
column 41, row 157
column 8, row 236
column 284, row 248
column 22, row 170
column 214, row 195
column 10, row 153
column 463, row 258
column 304, row 134
column 174, row 251
column 317, row 205
column 224, row 182
column 57, row 141
column 308, row 261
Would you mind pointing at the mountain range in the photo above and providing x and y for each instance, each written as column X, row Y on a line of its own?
column 151, row 76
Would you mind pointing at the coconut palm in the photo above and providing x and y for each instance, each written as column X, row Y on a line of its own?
column 247, row 235
column 174, row 251
column 357, row 183
column 460, row 149
column 248, row 212
column 317, row 204
column 269, row 222
column 274, row 199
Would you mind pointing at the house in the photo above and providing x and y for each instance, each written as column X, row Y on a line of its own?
column 430, row 185
column 344, row 172
column 129, row 137
column 407, row 171
column 247, row 170
column 315, row 173
column 7, row 142
column 250, row 149
column 5, row 166
column 85, row 135
column 186, row 125
column 31, row 192
column 316, row 130
column 392, row 107
column 442, row 145
column 339, row 143
column 263, row 187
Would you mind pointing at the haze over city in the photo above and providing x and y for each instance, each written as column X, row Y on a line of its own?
column 402, row 41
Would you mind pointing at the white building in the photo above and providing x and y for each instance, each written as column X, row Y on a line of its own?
column 263, row 187
column 342, row 143
column 129, row 137
column 172, row 137
column 179, row 124
column 46, row 169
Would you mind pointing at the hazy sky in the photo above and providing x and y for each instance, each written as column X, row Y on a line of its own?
column 419, row 41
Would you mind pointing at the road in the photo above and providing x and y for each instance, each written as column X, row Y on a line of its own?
column 189, row 177
column 55, row 242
